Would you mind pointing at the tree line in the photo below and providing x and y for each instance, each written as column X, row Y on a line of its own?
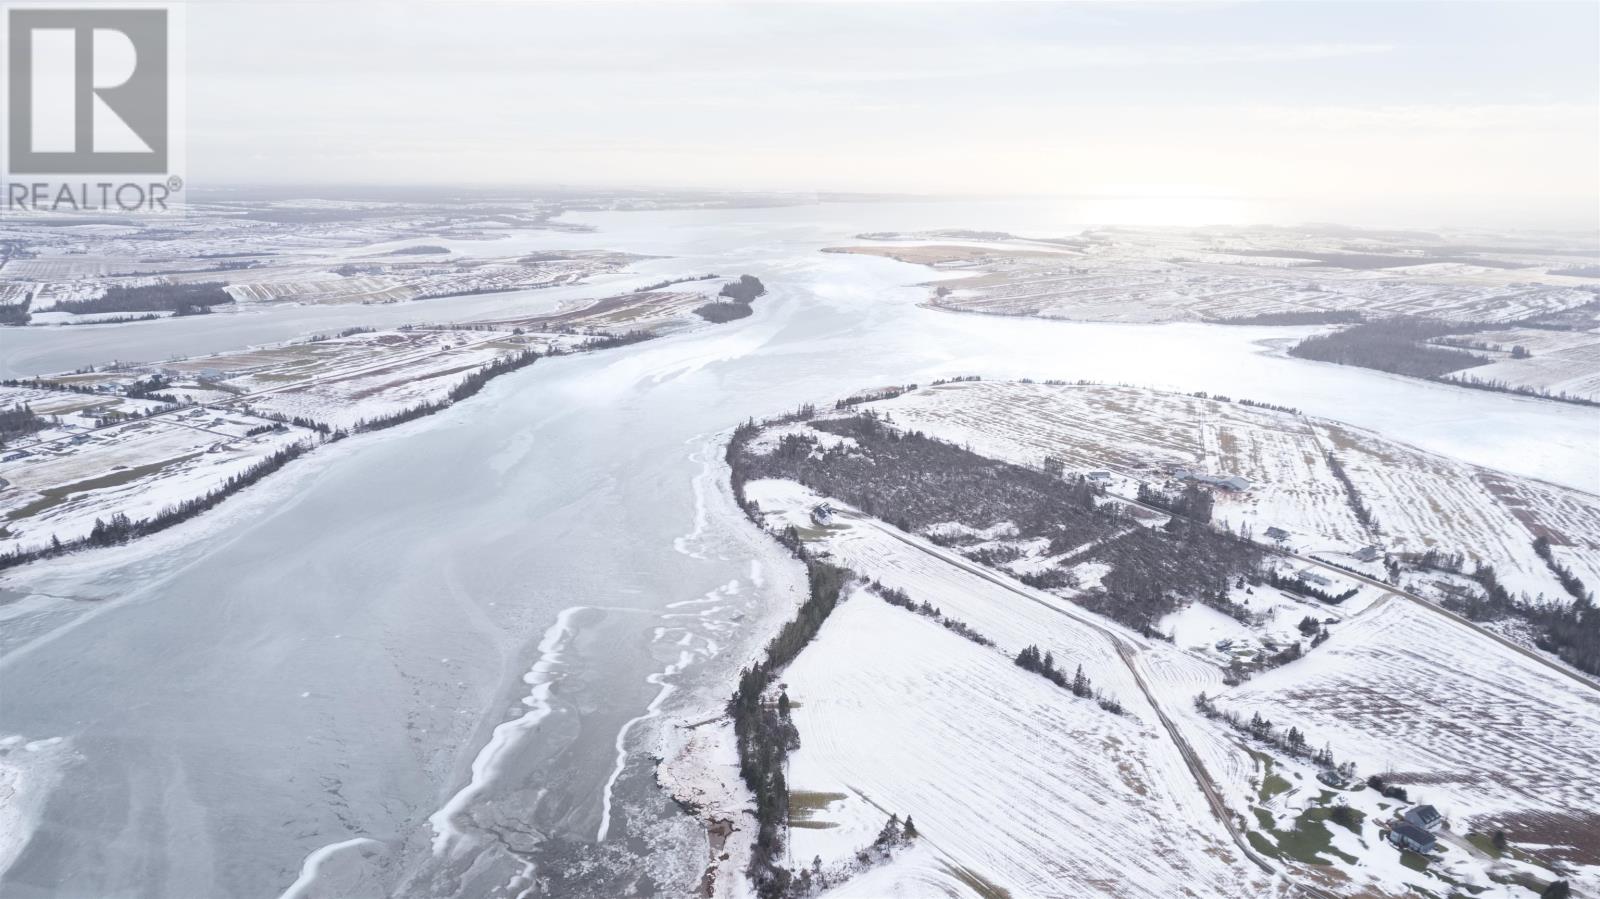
column 120, row 528
column 150, row 298
column 763, row 730
column 19, row 421
column 1352, row 496
column 1301, row 588
column 1030, row 659
column 1569, row 631
column 16, row 313
column 1396, row 345
column 899, row 598
column 1292, row 741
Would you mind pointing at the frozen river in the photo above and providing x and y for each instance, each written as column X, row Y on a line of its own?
column 402, row 666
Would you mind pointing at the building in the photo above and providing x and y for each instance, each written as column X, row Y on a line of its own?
column 1225, row 481
column 1368, row 554
column 822, row 514
column 1307, row 576
column 1410, row 836
column 1425, row 816
column 1278, row 534
column 1099, row 475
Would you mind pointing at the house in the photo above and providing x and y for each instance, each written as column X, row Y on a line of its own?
column 822, row 514
column 1278, row 534
column 1410, row 836
column 1368, row 554
column 1332, row 778
column 1224, row 645
column 1099, row 475
column 1225, row 481
column 1307, row 576
column 1425, row 816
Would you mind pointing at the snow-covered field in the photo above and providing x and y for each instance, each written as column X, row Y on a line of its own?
column 1005, row 774
column 1176, row 275
column 1422, row 501
column 63, row 485
column 1490, row 737
column 1008, row 776
column 1017, row 785
column 1419, row 500
column 1561, row 362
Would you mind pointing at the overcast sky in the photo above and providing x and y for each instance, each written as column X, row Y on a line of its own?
column 1469, row 105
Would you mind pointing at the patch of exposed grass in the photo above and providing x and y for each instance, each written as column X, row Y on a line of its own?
column 1271, row 783
column 1485, row 844
column 977, row 882
column 805, row 805
column 55, row 496
column 1262, row 844
column 1352, row 823
column 820, row 532
column 1311, row 838
column 1308, row 842
column 1413, row 860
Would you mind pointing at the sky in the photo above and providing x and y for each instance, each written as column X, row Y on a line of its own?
column 1474, row 109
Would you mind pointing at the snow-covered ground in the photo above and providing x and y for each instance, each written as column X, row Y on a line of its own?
column 898, row 714
column 1419, row 500
column 1172, row 275
column 1005, row 774
column 1485, row 732
column 1019, row 782
column 141, row 468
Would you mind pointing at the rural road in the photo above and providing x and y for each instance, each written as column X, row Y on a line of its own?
column 1125, row 651
column 1440, row 610
column 1406, row 595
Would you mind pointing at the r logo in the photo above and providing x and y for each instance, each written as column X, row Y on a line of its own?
column 87, row 91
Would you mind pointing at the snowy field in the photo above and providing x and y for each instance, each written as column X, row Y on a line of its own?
column 1482, row 732
column 1419, row 500
column 1559, row 361
column 1149, row 275
column 1006, row 775
column 64, row 484
column 317, row 252
column 1010, row 777
column 1046, row 791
